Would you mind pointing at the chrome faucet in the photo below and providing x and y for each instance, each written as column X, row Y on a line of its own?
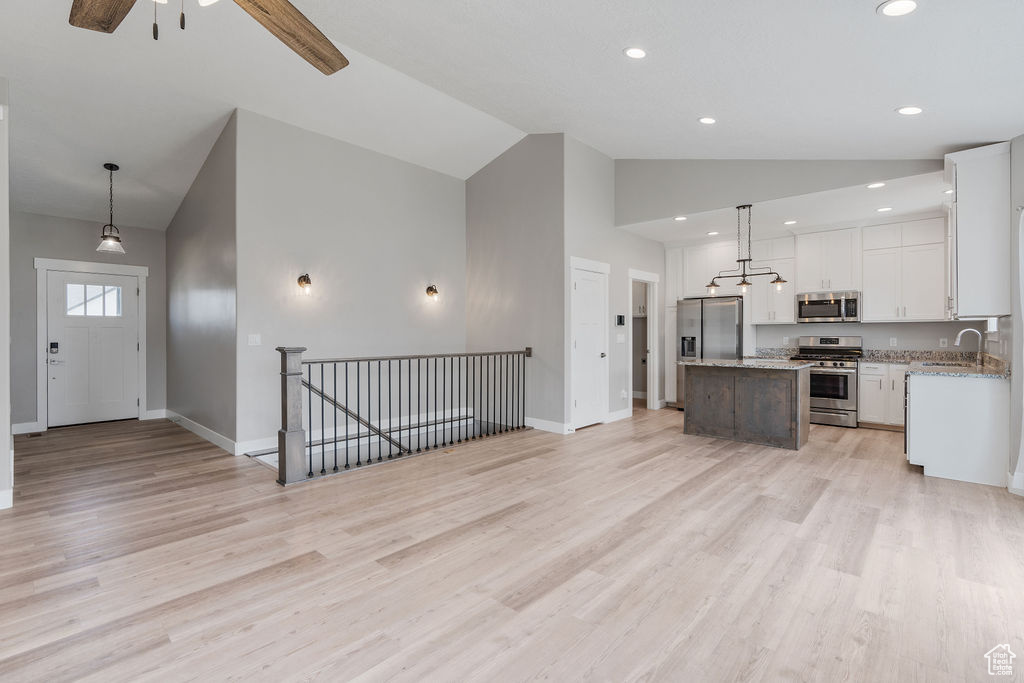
column 980, row 342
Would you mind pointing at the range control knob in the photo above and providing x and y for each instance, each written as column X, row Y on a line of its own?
column 835, row 365
column 821, row 362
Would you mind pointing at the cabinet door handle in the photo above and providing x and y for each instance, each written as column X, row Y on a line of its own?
column 897, row 311
column 904, row 311
column 893, row 385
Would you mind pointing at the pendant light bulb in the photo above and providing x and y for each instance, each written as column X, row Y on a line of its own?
column 744, row 286
column 712, row 288
column 778, row 282
column 110, row 236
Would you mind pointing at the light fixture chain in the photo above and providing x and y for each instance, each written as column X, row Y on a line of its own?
column 111, row 196
column 739, row 249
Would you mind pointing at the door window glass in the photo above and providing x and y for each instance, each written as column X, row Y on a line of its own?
column 93, row 300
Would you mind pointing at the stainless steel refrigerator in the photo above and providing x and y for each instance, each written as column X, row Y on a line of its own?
column 707, row 327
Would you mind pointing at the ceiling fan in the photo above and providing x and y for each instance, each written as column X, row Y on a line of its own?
column 278, row 16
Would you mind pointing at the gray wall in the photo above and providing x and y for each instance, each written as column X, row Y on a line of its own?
column 7, row 450
column 590, row 233
column 515, row 265
column 201, row 279
column 34, row 236
column 649, row 189
column 371, row 231
column 909, row 336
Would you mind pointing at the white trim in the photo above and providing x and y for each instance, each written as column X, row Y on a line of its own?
column 44, row 266
column 27, row 428
column 243, row 447
column 587, row 264
column 158, row 414
column 653, row 358
column 90, row 267
column 548, row 426
column 6, row 499
column 623, row 414
column 201, row 431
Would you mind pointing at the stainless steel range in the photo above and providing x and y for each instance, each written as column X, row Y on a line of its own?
column 833, row 378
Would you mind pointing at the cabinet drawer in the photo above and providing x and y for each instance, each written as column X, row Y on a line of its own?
column 873, row 369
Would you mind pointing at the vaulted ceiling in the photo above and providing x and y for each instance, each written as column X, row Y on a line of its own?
column 449, row 84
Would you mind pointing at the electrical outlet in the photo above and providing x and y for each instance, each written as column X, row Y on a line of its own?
column 255, row 340
column 785, row 341
column 893, row 342
column 943, row 343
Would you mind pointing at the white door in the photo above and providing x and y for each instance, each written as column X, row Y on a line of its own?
column 882, row 297
column 92, row 347
column 589, row 347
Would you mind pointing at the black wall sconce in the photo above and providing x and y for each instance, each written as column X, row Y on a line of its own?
column 306, row 284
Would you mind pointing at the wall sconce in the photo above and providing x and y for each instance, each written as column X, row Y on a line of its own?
column 306, row 284
column 432, row 293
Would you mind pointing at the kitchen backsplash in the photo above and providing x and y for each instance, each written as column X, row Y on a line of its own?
column 899, row 356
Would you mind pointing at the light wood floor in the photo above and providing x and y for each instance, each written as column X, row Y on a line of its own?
column 136, row 551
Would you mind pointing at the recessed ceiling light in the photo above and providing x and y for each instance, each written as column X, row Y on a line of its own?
column 909, row 111
column 884, row 209
column 680, row 218
column 948, row 192
column 790, row 223
column 635, row 52
column 713, row 232
column 706, row 120
column 897, row 8
column 875, row 186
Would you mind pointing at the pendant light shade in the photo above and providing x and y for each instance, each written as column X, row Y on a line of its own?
column 110, row 237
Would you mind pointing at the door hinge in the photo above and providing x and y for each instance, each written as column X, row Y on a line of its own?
column 138, row 402
column 137, row 291
column 138, row 346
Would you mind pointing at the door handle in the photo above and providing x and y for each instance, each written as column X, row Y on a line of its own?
column 603, row 354
column 54, row 361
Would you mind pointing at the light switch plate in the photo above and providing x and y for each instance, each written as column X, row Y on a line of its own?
column 785, row 341
column 620, row 339
column 943, row 343
column 255, row 340
column 893, row 342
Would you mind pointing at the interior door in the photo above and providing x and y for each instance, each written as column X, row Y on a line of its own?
column 92, row 348
column 589, row 347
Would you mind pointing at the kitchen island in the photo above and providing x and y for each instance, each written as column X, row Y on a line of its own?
column 755, row 400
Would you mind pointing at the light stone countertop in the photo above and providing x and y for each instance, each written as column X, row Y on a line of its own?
column 966, row 370
column 752, row 363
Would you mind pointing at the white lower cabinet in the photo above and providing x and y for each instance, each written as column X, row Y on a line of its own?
column 880, row 393
column 956, row 427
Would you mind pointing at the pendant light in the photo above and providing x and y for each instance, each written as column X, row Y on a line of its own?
column 110, row 238
column 743, row 268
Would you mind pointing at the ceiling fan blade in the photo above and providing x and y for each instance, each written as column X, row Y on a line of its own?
column 297, row 32
column 99, row 15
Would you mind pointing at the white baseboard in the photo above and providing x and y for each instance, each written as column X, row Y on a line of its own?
column 619, row 415
column 662, row 404
column 204, row 432
column 639, row 394
column 548, row 426
column 1015, row 482
column 253, row 445
column 6, row 499
column 158, row 414
column 27, row 428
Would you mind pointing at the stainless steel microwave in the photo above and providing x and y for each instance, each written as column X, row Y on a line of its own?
column 828, row 307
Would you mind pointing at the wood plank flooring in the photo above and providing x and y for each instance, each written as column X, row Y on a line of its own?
column 628, row 551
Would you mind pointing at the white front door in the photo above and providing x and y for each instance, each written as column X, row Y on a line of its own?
column 589, row 347
column 92, row 347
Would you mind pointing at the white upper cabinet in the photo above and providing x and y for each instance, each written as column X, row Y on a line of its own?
column 980, row 227
column 905, row 271
column 828, row 261
column 702, row 263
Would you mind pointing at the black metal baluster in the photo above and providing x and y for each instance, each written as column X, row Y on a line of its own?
column 359, row 426
column 334, row 368
column 458, row 397
column 504, row 391
column 473, row 393
column 515, row 392
column 409, row 400
column 323, row 427
column 390, row 430
column 426, row 399
column 522, row 393
column 419, row 395
column 444, row 420
column 380, row 417
column 400, row 449
column 346, row 415
column 309, row 401
column 451, row 401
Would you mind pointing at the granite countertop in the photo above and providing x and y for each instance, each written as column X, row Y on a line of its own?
column 966, row 370
column 754, row 363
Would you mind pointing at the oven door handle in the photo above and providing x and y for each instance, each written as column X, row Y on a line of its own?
column 834, row 371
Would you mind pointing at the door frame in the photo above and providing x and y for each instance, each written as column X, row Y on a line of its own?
column 578, row 263
column 651, row 280
column 43, row 267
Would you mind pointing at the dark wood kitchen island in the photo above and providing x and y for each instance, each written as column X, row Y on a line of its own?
column 755, row 400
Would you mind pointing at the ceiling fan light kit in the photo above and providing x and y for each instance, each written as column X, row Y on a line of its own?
column 279, row 17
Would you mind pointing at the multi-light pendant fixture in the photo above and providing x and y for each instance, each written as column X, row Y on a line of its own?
column 110, row 237
column 741, row 271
